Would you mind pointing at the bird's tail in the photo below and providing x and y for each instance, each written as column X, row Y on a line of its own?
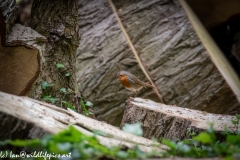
column 148, row 85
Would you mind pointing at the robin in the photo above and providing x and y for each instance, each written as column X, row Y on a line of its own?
column 131, row 82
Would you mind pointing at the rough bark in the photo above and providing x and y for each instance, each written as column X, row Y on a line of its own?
column 8, row 14
column 57, row 21
column 35, row 112
column 168, row 46
column 19, row 68
column 51, row 39
column 171, row 122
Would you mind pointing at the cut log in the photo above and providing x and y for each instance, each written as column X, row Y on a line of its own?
column 19, row 68
column 172, row 122
column 168, row 46
column 20, row 65
column 57, row 119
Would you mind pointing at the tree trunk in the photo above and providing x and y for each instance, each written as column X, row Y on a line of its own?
column 57, row 21
column 8, row 14
column 51, row 39
column 171, row 122
column 168, row 46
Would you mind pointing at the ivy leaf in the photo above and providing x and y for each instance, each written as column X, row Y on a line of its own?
column 238, row 116
column 89, row 104
column 169, row 143
column 183, row 147
column 233, row 139
column 203, row 138
column 63, row 90
column 133, row 128
column 46, row 84
column 122, row 154
column 70, row 106
column 234, row 122
column 49, row 98
column 67, row 74
column 90, row 112
column 53, row 100
column 64, row 146
column 60, row 65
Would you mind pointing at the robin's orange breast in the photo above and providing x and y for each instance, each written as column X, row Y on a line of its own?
column 125, row 82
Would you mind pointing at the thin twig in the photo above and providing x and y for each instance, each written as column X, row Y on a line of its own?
column 134, row 50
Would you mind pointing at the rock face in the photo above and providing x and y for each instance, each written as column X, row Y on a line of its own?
column 168, row 46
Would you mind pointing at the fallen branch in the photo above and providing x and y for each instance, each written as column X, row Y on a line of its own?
column 53, row 119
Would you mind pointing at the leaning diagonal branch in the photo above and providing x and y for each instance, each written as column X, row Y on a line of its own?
column 134, row 50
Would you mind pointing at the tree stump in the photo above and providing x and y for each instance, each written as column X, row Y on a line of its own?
column 172, row 122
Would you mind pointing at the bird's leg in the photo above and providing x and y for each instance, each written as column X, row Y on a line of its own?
column 131, row 94
column 136, row 94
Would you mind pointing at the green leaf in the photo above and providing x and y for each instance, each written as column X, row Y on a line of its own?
column 70, row 106
column 53, row 100
column 89, row 104
column 67, row 74
column 238, row 116
column 49, row 98
column 85, row 111
column 183, row 147
column 228, row 158
column 46, row 138
column 60, row 65
column 234, row 139
column 46, row 84
column 63, row 90
column 234, row 122
column 5, row 142
column 133, row 128
column 169, row 143
column 90, row 112
column 203, row 138
column 64, row 146
column 122, row 154
column 25, row 143
column 139, row 152
column 82, row 103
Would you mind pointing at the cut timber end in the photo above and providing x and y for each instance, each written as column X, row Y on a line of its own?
column 171, row 122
